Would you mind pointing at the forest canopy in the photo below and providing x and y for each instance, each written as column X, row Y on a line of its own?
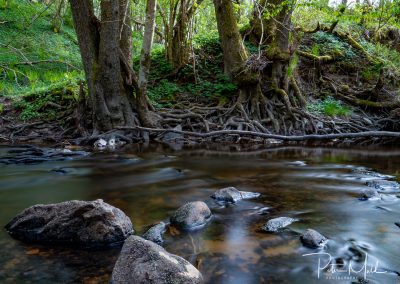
column 272, row 67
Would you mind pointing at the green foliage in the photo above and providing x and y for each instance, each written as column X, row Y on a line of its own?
column 371, row 73
column 163, row 93
column 33, row 105
column 208, row 42
column 330, row 107
column 294, row 61
column 207, row 81
column 389, row 56
column 23, row 39
column 329, row 44
column 221, row 86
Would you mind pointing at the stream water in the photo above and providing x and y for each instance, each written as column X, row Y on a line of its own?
column 319, row 186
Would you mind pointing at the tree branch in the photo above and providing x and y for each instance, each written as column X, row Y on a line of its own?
column 367, row 134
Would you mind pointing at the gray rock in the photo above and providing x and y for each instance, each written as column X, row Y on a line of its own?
column 172, row 136
column 385, row 186
column 145, row 262
column 82, row 223
column 370, row 194
column 276, row 224
column 297, row 163
column 155, row 233
column 312, row 239
column 231, row 194
column 191, row 216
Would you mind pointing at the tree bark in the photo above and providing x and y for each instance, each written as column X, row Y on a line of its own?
column 104, row 46
column 146, row 117
column 235, row 58
column 276, row 76
column 235, row 54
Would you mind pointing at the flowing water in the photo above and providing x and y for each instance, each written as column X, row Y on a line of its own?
column 319, row 186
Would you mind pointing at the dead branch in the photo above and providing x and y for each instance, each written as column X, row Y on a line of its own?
column 47, row 61
column 240, row 133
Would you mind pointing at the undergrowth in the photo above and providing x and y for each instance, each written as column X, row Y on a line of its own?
column 330, row 107
column 26, row 37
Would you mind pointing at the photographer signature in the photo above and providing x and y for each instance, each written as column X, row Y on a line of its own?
column 325, row 262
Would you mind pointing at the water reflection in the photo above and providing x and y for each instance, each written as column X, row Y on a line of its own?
column 319, row 186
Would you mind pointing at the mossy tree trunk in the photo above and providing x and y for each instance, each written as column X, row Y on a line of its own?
column 275, row 76
column 235, row 59
column 105, row 47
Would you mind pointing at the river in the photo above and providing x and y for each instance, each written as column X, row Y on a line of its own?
column 321, row 187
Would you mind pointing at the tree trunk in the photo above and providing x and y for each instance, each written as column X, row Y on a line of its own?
column 176, row 27
column 146, row 117
column 235, row 54
column 57, row 20
column 106, row 52
column 235, row 59
column 276, row 76
column 259, row 24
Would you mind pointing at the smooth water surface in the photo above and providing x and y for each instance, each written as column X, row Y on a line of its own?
column 319, row 186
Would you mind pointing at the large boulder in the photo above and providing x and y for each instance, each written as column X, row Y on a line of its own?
column 82, row 223
column 312, row 239
column 155, row 233
column 142, row 261
column 276, row 224
column 232, row 195
column 191, row 216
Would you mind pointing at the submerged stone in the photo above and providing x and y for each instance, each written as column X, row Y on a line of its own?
column 312, row 239
column 276, row 224
column 83, row 223
column 191, row 216
column 155, row 233
column 142, row 261
column 231, row 194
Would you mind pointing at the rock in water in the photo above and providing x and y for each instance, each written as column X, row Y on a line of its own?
column 370, row 194
column 312, row 239
column 83, row 223
column 191, row 216
column 155, row 233
column 231, row 194
column 276, row 224
column 145, row 262
column 385, row 186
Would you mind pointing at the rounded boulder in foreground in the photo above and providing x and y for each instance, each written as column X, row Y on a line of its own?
column 191, row 216
column 142, row 261
column 82, row 223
